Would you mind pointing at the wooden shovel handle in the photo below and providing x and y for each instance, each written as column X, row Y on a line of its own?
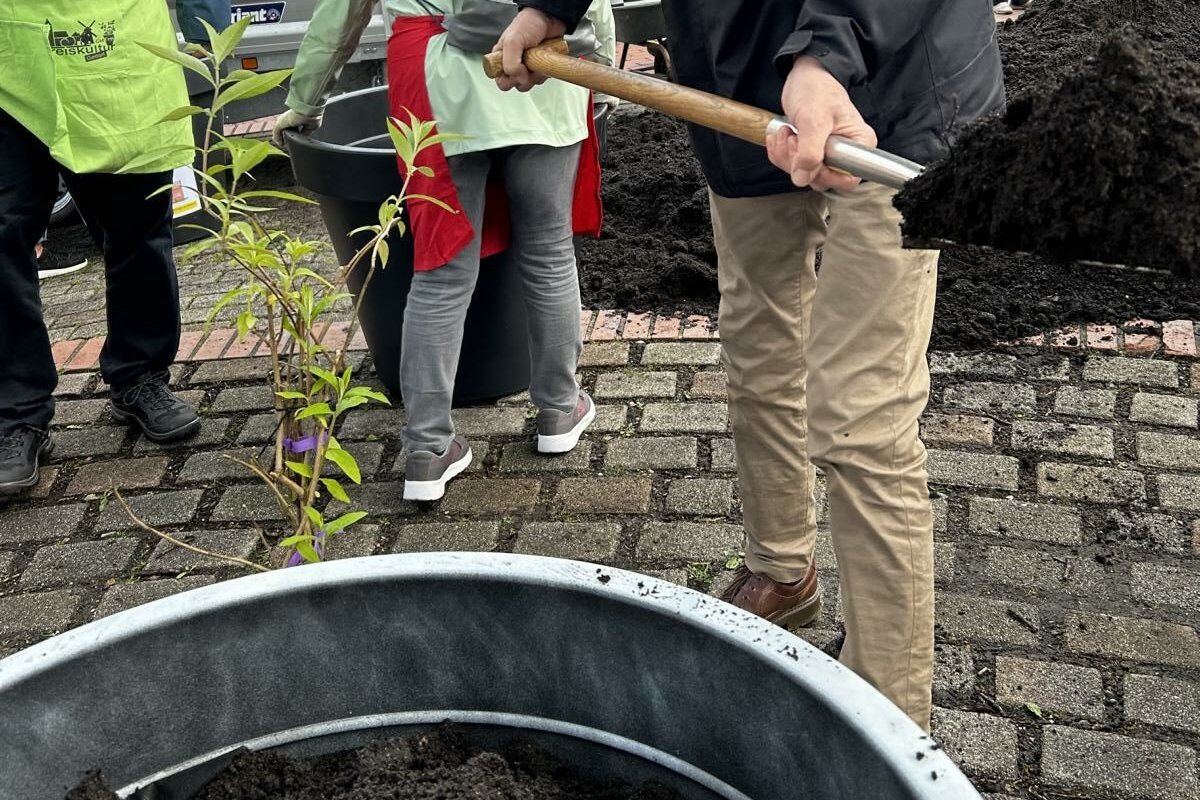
column 712, row 111
column 727, row 116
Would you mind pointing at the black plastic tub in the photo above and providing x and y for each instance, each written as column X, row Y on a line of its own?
column 350, row 166
column 619, row 674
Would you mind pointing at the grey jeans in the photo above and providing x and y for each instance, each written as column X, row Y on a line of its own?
column 540, row 181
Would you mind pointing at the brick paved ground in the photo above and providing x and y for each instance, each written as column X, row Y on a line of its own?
column 1068, row 536
column 1066, row 479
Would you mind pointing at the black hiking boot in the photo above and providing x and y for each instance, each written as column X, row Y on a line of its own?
column 150, row 405
column 21, row 452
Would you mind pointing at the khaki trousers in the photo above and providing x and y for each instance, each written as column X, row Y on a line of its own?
column 833, row 373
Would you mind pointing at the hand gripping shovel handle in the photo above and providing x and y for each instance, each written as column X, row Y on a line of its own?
column 721, row 114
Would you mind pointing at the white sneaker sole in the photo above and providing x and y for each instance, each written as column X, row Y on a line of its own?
column 565, row 442
column 435, row 490
column 54, row 273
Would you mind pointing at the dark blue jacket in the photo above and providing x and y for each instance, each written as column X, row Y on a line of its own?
column 215, row 12
column 916, row 69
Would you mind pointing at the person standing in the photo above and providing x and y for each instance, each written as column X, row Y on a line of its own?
column 89, row 106
column 524, row 177
column 216, row 13
column 828, row 372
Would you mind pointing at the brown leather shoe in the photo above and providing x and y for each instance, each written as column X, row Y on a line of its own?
column 789, row 605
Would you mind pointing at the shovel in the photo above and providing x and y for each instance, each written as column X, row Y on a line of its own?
column 746, row 122
column 733, row 118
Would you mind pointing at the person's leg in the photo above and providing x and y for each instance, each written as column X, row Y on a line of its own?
column 132, row 222
column 27, row 184
column 540, row 182
column 868, row 385
column 766, row 250
column 434, row 318
column 27, row 373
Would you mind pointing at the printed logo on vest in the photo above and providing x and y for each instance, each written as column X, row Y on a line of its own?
column 84, row 41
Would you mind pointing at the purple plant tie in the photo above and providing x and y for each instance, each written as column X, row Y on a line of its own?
column 304, row 444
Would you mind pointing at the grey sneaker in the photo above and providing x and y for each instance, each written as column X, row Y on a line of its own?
column 559, row 432
column 426, row 474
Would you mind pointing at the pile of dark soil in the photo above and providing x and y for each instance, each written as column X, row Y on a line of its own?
column 1105, row 167
column 656, row 251
column 1055, row 36
column 982, row 296
column 436, row 766
column 986, row 296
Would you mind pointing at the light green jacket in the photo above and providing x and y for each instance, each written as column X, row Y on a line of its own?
column 74, row 75
column 464, row 99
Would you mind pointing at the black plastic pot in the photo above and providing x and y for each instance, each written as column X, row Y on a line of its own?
column 350, row 165
column 622, row 674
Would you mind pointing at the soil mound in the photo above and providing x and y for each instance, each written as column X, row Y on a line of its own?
column 983, row 296
column 986, row 296
column 656, row 251
column 433, row 766
column 1105, row 167
column 1056, row 36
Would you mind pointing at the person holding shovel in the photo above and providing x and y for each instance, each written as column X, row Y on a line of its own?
column 88, row 105
column 523, row 180
column 830, row 372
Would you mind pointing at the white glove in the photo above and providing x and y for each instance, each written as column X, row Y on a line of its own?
column 293, row 120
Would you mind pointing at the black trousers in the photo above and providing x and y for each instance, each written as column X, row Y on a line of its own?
column 142, row 300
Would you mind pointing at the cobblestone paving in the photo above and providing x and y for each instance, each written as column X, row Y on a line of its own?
column 1067, row 490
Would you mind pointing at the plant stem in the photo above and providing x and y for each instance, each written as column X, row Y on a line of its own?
column 179, row 543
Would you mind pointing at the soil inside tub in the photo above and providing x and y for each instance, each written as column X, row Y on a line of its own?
column 439, row 765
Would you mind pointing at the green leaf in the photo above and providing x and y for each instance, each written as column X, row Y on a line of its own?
column 439, row 203
column 300, row 468
column 246, row 159
column 245, row 322
column 181, row 58
column 1034, row 709
column 365, row 391
column 348, row 403
column 239, row 75
column 196, row 248
column 314, row 517
column 260, row 84
column 225, row 300
column 295, row 198
column 323, row 375
column 345, row 462
column 402, row 140
column 291, row 395
column 306, row 549
column 335, row 489
column 295, row 539
column 305, row 272
column 225, row 42
column 183, row 112
column 344, row 521
column 383, row 252
column 426, row 171
column 733, row 562
column 315, row 410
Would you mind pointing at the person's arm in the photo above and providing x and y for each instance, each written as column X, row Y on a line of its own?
column 190, row 12
column 537, row 21
column 851, row 38
column 332, row 37
column 836, row 44
column 569, row 12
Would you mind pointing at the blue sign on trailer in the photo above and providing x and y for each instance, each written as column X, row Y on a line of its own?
column 259, row 13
